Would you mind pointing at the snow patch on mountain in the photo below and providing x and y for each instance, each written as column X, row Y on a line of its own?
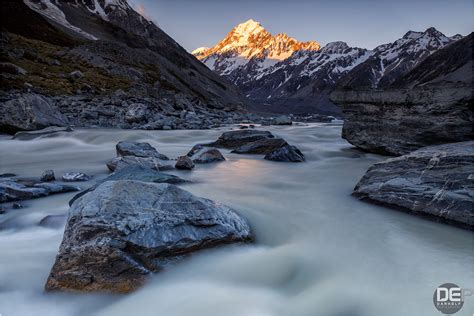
column 49, row 10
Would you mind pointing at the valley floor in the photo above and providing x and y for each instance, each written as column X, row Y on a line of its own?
column 318, row 250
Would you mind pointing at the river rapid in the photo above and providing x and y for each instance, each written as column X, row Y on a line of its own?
column 319, row 251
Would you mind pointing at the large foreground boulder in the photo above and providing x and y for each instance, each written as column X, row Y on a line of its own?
column 29, row 112
column 437, row 181
column 121, row 232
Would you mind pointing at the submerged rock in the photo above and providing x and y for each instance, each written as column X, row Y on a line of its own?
column 134, row 172
column 75, row 176
column 286, row 153
column 16, row 189
column 120, row 233
column 200, row 154
column 29, row 112
column 53, row 221
column 436, row 181
column 184, row 162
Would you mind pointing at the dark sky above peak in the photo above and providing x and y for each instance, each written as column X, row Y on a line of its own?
column 362, row 23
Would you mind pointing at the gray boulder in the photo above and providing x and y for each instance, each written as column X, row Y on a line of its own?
column 47, row 176
column 136, row 113
column 286, row 153
column 248, row 142
column 200, row 154
column 29, row 112
column 184, row 162
column 145, row 150
column 435, row 181
column 123, row 231
column 118, row 163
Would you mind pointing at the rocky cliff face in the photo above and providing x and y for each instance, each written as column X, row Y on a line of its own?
column 431, row 104
column 95, row 49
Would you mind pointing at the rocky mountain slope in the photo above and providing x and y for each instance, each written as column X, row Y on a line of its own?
column 96, row 50
column 431, row 104
column 298, row 77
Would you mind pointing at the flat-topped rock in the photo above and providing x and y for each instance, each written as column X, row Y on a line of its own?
column 436, row 181
column 120, row 233
column 16, row 189
column 144, row 150
column 118, row 163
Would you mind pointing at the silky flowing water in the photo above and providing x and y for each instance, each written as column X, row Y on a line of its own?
column 319, row 251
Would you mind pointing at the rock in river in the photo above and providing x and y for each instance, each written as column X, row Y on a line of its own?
column 143, row 150
column 258, row 142
column 47, row 176
column 121, row 232
column 184, row 162
column 75, row 176
column 286, row 153
column 15, row 189
column 201, row 154
column 437, row 181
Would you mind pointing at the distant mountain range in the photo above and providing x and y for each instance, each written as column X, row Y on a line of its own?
column 280, row 74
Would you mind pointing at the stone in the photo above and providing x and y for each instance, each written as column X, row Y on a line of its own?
column 77, row 74
column 119, row 234
column 136, row 113
column 286, row 153
column 12, row 69
column 200, row 154
column 16, row 189
column 145, row 150
column 134, row 172
column 48, row 175
column 118, row 163
column 48, row 131
column 248, row 141
column 184, row 162
column 17, row 205
column 28, row 112
column 435, row 181
column 75, row 176
column 282, row 120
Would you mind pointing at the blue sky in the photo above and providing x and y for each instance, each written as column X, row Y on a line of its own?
column 362, row 23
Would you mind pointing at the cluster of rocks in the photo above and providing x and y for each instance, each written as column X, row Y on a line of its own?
column 258, row 142
column 30, row 111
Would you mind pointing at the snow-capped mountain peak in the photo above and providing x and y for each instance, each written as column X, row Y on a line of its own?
column 248, row 29
column 335, row 48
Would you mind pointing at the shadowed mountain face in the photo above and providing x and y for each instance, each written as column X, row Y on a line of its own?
column 298, row 77
column 119, row 43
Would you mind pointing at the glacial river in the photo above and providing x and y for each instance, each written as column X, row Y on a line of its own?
column 319, row 251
